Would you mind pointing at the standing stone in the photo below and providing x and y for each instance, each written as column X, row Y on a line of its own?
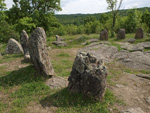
column 13, row 47
column 104, row 35
column 24, row 42
column 139, row 34
column 88, row 76
column 121, row 34
column 38, row 52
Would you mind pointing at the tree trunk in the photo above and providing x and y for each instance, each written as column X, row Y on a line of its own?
column 114, row 21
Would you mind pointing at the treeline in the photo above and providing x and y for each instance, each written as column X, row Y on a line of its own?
column 78, row 19
column 128, row 19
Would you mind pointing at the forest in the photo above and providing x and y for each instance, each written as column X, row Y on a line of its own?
column 27, row 15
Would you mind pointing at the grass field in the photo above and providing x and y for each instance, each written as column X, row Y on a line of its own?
column 20, row 87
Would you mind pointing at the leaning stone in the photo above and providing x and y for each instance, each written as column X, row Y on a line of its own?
column 121, row 34
column 13, row 47
column 58, row 38
column 24, row 39
column 38, row 52
column 104, row 35
column 88, row 76
column 57, row 82
column 139, row 34
column 134, row 110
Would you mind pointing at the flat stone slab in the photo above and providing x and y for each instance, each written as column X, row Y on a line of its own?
column 60, row 43
column 90, row 41
column 135, row 59
column 57, row 82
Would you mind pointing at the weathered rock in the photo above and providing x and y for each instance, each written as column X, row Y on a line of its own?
column 139, row 34
column 24, row 39
column 60, row 43
column 121, row 34
column 148, row 100
column 58, row 38
column 57, row 82
column 104, row 35
column 88, row 76
column 132, row 40
column 132, row 47
column 146, row 45
column 134, row 110
column 38, row 52
column 13, row 47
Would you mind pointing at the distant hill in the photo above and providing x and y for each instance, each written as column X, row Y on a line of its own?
column 77, row 19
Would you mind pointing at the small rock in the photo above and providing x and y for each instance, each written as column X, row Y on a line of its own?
column 13, row 47
column 57, row 82
column 104, row 35
column 148, row 100
column 27, row 58
column 134, row 110
column 139, row 34
column 132, row 40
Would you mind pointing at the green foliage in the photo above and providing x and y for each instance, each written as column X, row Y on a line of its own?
column 25, row 24
column 133, row 21
column 146, row 19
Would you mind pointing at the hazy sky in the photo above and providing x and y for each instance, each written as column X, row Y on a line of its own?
column 91, row 6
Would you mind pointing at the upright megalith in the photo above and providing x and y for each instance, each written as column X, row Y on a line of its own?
column 24, row 40
column 121, row 34
column 13, row 47
column 104, row 35
column 139, row 34
column 88, row 76
column 38, row 52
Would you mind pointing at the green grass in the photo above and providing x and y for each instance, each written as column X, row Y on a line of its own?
column 9, row 58
column 2, row 47
column 77, row 103
column 63, row 55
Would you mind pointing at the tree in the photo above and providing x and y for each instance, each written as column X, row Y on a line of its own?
column 112, row 5
column 146, row 18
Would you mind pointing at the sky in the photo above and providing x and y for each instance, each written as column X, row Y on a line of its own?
column 91, row 6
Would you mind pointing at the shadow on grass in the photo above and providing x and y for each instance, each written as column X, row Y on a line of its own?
column 21, row 76
column 66, row 101
column 63, row 98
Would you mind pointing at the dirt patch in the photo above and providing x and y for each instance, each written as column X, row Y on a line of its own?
column 15, row 64
column 133, row 91
column 38, row 108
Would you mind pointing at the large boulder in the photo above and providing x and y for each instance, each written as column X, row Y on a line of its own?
column 139, row 34
column 121, row 34
column 13, row 47
column 24, row 39
column 38, row 52
column 104, row 35
column 88, row 76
